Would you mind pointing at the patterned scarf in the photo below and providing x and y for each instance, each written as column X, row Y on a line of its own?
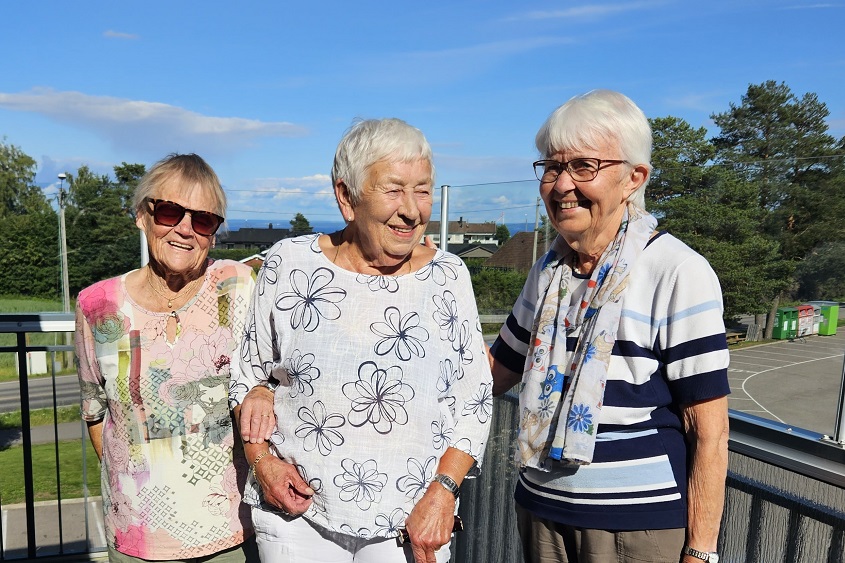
column 554, row 392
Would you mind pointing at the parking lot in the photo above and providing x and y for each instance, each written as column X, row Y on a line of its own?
column 795, row 382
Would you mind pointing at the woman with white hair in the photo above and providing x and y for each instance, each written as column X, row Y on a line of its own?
column 619, row 343
column 370, row 346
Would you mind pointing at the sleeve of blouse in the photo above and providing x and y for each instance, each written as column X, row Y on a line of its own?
column 473, row 389
column 255, row 357
column 695, row 352
column 91, row 383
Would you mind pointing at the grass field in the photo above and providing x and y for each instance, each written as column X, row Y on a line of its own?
column 44, row 472
column 39, row 417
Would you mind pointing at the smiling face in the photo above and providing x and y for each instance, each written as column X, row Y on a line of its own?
column 389, row 220
column 588, row 214
column 178, row 251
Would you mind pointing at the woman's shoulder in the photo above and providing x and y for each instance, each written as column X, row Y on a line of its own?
column 229, row 268
column 96, row 295
column 669, row 257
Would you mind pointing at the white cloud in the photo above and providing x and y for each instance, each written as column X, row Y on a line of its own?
column 150, row 127
column 811, row 6
column 588, row 11
column 111, row 34
column 448, row 65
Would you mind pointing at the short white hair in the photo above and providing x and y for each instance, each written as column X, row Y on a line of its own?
column 590, row 120
column 373, row 140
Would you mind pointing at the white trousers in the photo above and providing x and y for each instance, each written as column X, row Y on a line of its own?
column 282, row 540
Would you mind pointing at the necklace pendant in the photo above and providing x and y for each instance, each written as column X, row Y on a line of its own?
column 169, row 304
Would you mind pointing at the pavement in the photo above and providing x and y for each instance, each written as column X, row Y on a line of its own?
column 44, row 434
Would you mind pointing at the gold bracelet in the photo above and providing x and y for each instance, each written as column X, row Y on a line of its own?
column 257, row 459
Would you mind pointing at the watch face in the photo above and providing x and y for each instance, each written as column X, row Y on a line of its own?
column 712, row 558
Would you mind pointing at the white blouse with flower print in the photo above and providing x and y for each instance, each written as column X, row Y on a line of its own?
column 379, row 376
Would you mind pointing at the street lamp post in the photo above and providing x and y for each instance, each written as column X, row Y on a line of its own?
column 63, row 240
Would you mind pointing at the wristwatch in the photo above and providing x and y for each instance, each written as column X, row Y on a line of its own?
column 270, row 384
column 448, row 483
column 711, row 557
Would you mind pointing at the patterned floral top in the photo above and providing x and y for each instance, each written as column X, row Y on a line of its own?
column 171, row 474
column 379, row 375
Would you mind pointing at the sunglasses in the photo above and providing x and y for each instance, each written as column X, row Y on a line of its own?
column 170, row 214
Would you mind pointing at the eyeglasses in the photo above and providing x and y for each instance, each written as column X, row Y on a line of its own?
column 579, row 169
column 170, row 214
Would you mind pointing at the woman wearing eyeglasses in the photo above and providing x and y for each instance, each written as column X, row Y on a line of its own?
column 619, row 343
column 154, row 348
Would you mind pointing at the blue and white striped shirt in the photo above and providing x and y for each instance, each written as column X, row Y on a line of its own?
column 670, row 351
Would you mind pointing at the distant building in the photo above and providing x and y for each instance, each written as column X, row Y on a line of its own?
column 517, row 252
column 251, row 237
column 466, row 251
column 463, row 232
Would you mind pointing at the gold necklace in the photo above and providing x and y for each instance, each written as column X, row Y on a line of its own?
column 170, row 300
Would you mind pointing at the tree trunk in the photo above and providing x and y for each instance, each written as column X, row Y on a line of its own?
column 770, row 320
column 760, row 321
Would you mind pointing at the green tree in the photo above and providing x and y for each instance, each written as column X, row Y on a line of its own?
column 679, row 155
column 821, row 275
column 720, row 220
column 502, row 234
column 29, row 260
column 781, row 142
column 299, row 225
column 103, row 240
column 18, row 192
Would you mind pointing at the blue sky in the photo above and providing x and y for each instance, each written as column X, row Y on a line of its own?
column 264, row 90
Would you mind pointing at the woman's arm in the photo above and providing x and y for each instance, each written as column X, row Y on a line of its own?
column 90, row 381
column 430, row 523
column 706, row 425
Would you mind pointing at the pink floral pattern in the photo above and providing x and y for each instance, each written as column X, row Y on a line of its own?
column 168, row 442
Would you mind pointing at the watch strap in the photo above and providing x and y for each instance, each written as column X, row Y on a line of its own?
column 448, row 483
column 710, row 557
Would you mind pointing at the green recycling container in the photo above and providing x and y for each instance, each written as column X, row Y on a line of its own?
column 786, row 323
column 830, row 316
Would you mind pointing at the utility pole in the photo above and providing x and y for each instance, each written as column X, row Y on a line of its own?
column 63, row 239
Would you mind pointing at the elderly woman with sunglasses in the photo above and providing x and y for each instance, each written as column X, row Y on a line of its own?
column 619, row 345
column 154, row 350
column 382, row 384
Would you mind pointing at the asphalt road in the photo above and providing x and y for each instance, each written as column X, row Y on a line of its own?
column 40, row 393
column 795, row 382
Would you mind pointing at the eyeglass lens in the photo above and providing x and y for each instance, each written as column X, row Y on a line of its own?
column 580, row 169
column 170, row 214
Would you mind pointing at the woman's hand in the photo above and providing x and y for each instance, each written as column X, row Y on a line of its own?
column 257, row 419
column 282, row 485
column 430, row 523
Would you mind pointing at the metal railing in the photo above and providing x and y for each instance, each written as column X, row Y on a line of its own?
column 785, row 496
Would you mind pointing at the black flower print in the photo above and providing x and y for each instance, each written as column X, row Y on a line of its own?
column 360, row 483
column 442, row 433
column 312, row 298
column 480, row 404
column 378, row 397
column 388, row 526
column 379, row 283
column 415, row 482
column 444, row 267
column 318, row 429
column 319, row 501
column 402, row 335
column 249, row 345
column 462, row 347
column 447, row 377
column 268, row 274
column 301, row 372
column 446, row 315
